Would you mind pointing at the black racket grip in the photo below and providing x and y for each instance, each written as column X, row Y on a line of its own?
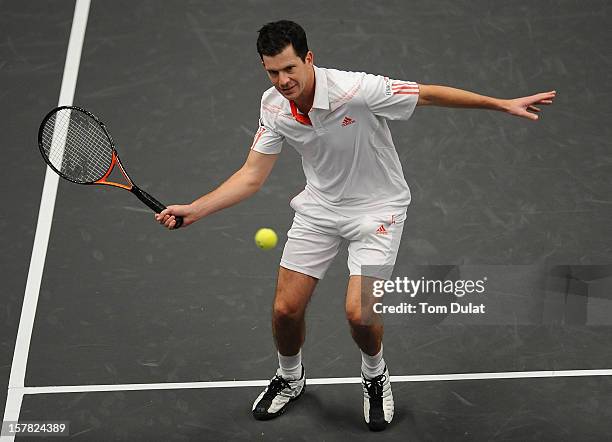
column 154, row 204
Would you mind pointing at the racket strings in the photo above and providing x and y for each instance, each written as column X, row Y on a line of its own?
column 68, row 150
column 76, row 145
column 76, row 149
column 60, row 156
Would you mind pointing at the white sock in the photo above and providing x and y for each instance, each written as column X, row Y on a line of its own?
column 372, row 366
column 290, row 366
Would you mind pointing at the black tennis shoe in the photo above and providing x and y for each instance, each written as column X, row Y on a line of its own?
column 377, row 401
column 273, row 401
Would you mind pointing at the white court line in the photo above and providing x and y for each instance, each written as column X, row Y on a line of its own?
column 43, row 227
column 316, row 381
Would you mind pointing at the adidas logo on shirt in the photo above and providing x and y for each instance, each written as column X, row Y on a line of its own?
column 347, row 121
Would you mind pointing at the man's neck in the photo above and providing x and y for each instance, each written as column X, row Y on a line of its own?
column 305, row 101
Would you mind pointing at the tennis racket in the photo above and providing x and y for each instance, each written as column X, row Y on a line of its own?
column 77, row 146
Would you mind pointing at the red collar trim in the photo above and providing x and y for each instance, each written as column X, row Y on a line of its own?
column 299, row 117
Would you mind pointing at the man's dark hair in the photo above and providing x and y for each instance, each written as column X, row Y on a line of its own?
column 276, row 36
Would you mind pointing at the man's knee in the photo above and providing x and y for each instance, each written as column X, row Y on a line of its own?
column 287, row 311
column 358, row 319
column 293, row 292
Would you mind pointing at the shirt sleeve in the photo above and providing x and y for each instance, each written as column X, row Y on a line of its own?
column 266, row 140
column 391, row 99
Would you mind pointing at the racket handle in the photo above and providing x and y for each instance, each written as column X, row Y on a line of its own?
column 154, row 204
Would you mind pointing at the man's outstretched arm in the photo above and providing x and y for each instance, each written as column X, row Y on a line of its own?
column 241, row 185
column 451, row 97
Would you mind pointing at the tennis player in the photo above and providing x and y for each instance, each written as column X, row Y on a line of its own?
column 355, row 192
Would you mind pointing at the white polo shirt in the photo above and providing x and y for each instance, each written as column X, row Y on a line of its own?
column 349, row 159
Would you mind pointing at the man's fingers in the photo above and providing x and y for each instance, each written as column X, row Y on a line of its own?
column 170, row 223
column 544, row 100
column 528, row 115
column 547, row 96
column 168, row 220
column 162, row 216
column 168, row 217
column 544, row 96
column 525, row 106
column 162, row 219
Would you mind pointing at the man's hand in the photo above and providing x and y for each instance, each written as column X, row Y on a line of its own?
column 167, row 217
column 525, row 106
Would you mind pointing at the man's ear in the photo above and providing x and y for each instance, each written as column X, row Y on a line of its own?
column 309, row 59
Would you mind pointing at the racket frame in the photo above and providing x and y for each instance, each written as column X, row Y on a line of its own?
column 114, row 156
column 115, row 161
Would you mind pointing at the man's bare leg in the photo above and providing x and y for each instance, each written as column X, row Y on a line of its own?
column 293, row 292
column 367, row 331
column 366, row 326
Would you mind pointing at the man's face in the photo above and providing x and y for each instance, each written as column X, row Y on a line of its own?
column 288, row 73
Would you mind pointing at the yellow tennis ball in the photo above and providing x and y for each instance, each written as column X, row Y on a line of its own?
column 266, row 239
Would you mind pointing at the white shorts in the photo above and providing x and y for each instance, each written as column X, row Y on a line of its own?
column 317, row 233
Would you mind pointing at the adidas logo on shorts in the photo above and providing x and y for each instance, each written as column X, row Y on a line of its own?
column 381, row 230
